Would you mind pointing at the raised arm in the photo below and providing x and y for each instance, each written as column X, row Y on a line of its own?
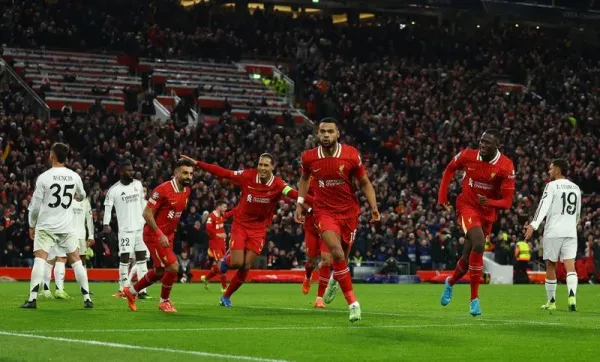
column 217, row 170
column 290, row 192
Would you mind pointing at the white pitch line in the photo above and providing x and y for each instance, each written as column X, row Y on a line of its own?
column 143, row 348
column 509, row 321
column 289, row 328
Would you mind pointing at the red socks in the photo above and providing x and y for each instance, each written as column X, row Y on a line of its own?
column 324, row 273
column 214, row 270
column 224, row 280
column 309, row 268
column 148, row 279
column 167, row 283
column 341, row 274
column 461, row 269
column 238, row 279
column 475, row 272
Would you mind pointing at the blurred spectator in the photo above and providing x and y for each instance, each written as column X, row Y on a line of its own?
column 185, row 268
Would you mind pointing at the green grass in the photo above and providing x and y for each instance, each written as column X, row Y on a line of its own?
column 400, row 322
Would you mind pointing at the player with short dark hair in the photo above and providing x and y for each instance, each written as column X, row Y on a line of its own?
column 162, row 213
column 215, row 227
column 488, row 186
column 128, row 199
column 261, row 192
column 334, row 166
column 560, row 205
column 61, row 152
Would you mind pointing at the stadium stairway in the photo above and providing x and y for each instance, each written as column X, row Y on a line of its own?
column 83, row 78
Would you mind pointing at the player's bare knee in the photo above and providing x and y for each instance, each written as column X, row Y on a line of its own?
column 41, row 254
column 173, row 268
column 337, row 254
column 124, row 258
column 139, row 256
column 159, row 272
column 71, row 257
column 569, row 265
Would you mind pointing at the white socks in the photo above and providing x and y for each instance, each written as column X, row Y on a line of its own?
column 572, row 283
column 82, row 278
column 142, row 269
column 123, row 275
column 47, row 275
column 37, row 276
column 59, row 275
column 551, row 290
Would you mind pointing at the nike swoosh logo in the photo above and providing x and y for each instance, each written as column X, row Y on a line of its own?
column 316, row 170
column 471, row 169
column 252, row 188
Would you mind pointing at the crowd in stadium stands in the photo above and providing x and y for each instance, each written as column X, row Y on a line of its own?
column 409, row 98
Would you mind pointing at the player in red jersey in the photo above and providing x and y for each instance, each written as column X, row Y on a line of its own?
column 261, row 192
column 215, row 227
column 488, row 186
column 315, row 247
column 334, row 166
column 162, row 213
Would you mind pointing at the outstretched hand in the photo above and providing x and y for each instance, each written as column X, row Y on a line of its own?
column 189, row 159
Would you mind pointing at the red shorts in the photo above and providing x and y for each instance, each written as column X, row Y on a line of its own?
column 216, row 254
column 314, row 244
column 161, row 256
column 247, row 238
column 345, row 228
column 470, row 217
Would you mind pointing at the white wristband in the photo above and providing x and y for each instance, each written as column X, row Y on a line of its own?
column 300, row 200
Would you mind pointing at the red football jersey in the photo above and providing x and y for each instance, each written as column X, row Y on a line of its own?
column 214, row 227
column 483, row 178
column 169, row 202
column 258, row 201
column 333, row 188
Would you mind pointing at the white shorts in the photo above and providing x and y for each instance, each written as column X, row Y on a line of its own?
column 131, row 242
column 82, row 246
column 58, row 244
column 55, row 253
column 563, row 248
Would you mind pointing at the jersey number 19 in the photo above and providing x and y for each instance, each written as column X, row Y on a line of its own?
column 569, row 203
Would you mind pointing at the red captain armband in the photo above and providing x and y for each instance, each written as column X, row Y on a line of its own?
column 158, row 233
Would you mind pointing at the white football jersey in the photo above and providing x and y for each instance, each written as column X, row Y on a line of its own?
column 129, row 202
column 561, row 206
column 51, row 205
column 82, row 213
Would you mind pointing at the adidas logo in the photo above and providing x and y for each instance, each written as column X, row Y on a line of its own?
column 122, row 193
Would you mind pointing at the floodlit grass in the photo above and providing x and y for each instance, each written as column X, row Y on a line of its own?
column 277, row 322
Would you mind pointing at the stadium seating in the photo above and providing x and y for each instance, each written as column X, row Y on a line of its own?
column 408, row 108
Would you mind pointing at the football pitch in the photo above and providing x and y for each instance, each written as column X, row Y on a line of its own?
column 276, row 322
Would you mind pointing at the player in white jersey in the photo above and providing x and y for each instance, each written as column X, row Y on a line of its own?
column 82, row 217
column 51, row 222
column 127, row 196
column 84, row 225
column 134, row 269
column 561, row 206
